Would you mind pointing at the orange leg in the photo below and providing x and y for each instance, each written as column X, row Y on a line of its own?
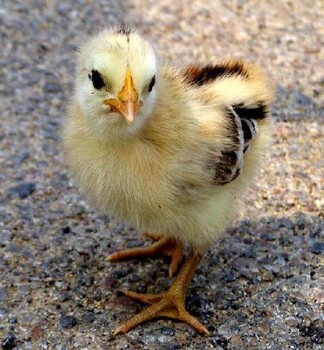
column 168, row 304
column 163, row 245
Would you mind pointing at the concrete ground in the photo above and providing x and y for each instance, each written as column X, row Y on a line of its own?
column 260, row 287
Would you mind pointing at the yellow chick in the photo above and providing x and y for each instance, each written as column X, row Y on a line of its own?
column 166, row 151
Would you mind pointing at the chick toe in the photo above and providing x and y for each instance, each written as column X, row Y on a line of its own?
column 163, row 246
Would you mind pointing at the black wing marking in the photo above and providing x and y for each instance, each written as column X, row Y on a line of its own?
column 259, row 111
column 250, row 128
column 229, row 164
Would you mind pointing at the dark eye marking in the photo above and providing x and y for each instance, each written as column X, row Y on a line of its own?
column 152, row 83
column 97, row 81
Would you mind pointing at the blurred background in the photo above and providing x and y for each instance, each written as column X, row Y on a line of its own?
column 262, row 285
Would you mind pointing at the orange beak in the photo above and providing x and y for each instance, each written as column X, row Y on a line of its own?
column 127, row 103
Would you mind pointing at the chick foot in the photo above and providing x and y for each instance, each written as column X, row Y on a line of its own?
column 163, row 246
column 168, row 304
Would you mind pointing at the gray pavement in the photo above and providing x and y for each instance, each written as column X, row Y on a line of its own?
column 260, row 287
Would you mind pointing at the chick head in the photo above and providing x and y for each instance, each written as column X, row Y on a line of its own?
column 115, row 84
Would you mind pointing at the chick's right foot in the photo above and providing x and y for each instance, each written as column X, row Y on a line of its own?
column 164, row 245
column 168, row 304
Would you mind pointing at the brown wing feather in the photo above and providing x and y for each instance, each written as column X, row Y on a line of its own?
column 198, row 76
column 242, row 113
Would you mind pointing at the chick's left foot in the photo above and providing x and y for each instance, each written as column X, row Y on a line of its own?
column 168, row 304
column 164, row 245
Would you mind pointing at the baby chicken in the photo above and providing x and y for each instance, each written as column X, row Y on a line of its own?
column 166, row 151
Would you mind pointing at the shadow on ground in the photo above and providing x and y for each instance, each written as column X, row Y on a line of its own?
column 261, row 278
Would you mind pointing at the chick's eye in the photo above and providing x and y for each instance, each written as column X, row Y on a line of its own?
column 96, row 78
column 152, row 83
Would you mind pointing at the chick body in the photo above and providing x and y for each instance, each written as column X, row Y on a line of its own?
column 163, row 176
column 177, row 167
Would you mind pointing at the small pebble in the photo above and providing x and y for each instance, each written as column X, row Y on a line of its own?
column 13, row 320
column 3, row 294
column 267, row 276
column 109, row 282
column 246, row 267
column 67, row 322
column 89, row 317
column 23, row 190
column 268, row 236
column 3, row 312
column 20, row 158
column 167, row 331
column 317, row 248
column 264, row 327
column 291, row 321
column 229, row 277
column 236, row 341
column 52, row 88
column 134, row 243
column 43, row 345
column 65, row 230
column 117, row 274
column 9, row 342
column 37, row 333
